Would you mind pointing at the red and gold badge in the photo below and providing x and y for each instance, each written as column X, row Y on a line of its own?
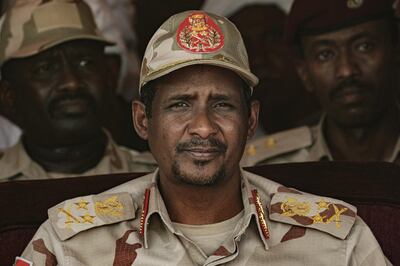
column 199, row 33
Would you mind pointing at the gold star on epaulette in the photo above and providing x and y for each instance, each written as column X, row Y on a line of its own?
column 251, row 150
column 87, row 218
column 82, row 204
column 322, row 204
column 270, row 142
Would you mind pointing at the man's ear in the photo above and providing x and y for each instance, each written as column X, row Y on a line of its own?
column 304, row 74
column 7, row 100
column 140, row 119
column 253, row 118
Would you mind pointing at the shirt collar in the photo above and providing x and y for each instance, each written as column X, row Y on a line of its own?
column 16, row 162
column 253, row 208
column 319, row 150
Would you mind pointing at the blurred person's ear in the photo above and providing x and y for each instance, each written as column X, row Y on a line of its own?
column 140, row 119
column 304, row 74
column 7, row 100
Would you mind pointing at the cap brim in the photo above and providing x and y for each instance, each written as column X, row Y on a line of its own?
column 38, row 47
column 247, row 76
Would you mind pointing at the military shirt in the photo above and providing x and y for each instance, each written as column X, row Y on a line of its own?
column 130, row 225
column 15, row 163
column 302, row 144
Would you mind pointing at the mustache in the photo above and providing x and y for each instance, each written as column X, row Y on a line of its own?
column 347, row 83
column 196, row 142
column 89, row 99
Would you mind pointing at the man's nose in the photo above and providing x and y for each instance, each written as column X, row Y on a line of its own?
column 202, row 124
column 69, row 79
column 347, row 66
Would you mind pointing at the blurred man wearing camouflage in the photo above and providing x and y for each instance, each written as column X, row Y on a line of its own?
column 55, row 86
column 347, row 56
column 199, row 207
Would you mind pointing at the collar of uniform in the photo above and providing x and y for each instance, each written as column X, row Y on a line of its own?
column 16, row 162
column 320, row 150
column 153, row 204
column 253, row 207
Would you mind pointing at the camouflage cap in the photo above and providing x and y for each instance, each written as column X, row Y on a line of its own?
column 195, row 37
column 29, row 27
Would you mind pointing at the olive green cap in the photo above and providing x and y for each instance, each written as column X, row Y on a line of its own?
column 29, row 27
column 192, row 38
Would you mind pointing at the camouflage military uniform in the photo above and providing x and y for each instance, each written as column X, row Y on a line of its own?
column 303, row 144
column 129, row 225
column 15, row 163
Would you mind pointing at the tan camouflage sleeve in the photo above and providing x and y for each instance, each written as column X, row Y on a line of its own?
column 40, row 250
column 363, row 248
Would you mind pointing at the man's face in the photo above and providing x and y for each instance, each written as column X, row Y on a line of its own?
column 352, row 72
column 199, row 124
column 59, row 92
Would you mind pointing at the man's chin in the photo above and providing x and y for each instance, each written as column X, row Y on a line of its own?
column 199, row 174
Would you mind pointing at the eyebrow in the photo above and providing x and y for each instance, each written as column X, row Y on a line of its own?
column 327, row 42
column 189, row 97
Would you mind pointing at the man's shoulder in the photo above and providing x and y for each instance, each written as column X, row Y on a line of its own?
column 119, row 204
column 281, row 145
column 138, row 161
column 12, row 161
column 289, row 206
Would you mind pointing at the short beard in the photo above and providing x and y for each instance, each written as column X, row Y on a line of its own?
column 195, row 179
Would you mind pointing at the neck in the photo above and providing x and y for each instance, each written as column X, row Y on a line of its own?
column 369, row 143
column 189, row 204
column 70, row 159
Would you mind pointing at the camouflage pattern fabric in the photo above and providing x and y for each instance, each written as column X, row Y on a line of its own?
column 15, row 163
column 304, row 144
column 30, row 27
column 136, row 230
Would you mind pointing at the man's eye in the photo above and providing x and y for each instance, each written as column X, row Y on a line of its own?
column 364, row 47
column 223, row 106
column 324, row 55
column 85, row 63
column 44, row 68
column 178, row 106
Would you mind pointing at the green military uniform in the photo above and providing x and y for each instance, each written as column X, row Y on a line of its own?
column 303, row 144
column 15, row 163
column 130, row 225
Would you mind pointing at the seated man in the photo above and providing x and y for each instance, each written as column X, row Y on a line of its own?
column 347, row 56
column 199, row 207
column 55, row 86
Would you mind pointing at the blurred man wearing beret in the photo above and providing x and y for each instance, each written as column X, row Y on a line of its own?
column 347, row 55
column 200, row 207
column 55, row 85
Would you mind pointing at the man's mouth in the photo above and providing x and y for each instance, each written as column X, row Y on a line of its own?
column 75, row 106
column 350, row 94
column 202, row 153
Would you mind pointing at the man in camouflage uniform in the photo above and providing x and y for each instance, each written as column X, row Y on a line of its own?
column 55, row 86
column 199, row 207
column 347, row 56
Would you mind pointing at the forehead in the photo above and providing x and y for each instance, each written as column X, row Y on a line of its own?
column 199, row 80
column 375, row 28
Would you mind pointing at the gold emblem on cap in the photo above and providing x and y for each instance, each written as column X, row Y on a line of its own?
column 354, row 4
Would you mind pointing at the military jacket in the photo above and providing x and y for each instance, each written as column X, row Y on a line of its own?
column 15, row 163
column 130, row 225
column 302, row 144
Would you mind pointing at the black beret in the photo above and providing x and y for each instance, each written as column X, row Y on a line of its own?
column 308, row 17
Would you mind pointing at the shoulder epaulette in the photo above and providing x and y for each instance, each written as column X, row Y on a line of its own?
column 328, row 215
column 276, row 144
column 83, row 213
